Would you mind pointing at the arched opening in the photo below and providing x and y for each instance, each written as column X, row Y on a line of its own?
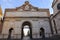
column 42, row 32
column 10, row 32
column 26, row 30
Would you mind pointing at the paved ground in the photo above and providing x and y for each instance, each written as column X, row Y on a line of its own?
column 56, row 37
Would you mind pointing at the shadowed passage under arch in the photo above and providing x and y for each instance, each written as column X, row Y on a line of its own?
column 24, row 25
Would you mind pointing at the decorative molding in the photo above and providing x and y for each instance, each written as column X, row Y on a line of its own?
column 18, row 20
column 54, row 16
column 46, row 20
column 54, row 2
column 27, row 7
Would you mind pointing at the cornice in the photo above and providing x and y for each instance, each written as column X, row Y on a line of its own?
column 54, row 3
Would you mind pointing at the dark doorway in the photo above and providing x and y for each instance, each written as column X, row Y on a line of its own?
column 10, row 32
column 42, row 32
column 26, row 25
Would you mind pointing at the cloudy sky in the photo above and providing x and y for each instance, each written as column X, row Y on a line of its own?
column 16, row 3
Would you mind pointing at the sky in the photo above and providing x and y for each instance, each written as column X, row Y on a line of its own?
column 16, row 3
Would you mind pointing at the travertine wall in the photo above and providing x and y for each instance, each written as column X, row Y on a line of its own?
column 56, row 24
column 26, row 14
column 16, row 17
column 55, row 10
column 56, row 17
column 57, row 20
column 37, row 23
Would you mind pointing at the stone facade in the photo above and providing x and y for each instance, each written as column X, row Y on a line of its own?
column 14, row 18
column 34, row 17
column 55, row 18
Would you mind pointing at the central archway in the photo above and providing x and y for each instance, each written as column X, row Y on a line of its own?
column 26, row 23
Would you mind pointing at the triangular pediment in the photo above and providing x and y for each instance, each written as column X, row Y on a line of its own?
column 27, row 7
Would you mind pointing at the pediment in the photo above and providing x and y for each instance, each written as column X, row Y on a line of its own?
column 27, row 7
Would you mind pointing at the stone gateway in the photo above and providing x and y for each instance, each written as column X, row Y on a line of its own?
column 27, row 17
